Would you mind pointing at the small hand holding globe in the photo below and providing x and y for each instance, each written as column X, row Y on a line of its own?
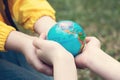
column 69, row 34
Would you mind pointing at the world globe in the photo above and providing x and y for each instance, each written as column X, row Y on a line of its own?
column 69, row 34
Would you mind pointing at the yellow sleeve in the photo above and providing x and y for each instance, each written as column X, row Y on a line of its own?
column 26, row 12
column 4, row 32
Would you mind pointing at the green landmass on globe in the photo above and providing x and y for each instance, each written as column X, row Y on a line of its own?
column 69, row 34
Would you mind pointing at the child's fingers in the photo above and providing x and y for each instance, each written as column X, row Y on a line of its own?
column 38, row 52
column 37, row 43
column 40, row 66
column 93, row 41
column 87, row 39
column 42, row 36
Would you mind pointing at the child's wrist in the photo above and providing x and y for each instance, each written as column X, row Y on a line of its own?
column 67, row 64
column 12, row 44
column 63, row 57
column 93, row 57
column 43, row 24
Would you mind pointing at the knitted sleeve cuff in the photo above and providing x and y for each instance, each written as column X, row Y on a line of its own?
column 4, row 33
column 27, row 12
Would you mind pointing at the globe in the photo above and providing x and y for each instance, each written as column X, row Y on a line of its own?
column 69, row 34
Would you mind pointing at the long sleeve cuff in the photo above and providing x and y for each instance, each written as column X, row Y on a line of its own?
column 27, row 12
column 4, row 33
column 30, row 23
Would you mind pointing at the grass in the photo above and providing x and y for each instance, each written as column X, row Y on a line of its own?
column 100, row 18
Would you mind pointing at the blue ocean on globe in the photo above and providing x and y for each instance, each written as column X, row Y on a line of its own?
column 69, row 34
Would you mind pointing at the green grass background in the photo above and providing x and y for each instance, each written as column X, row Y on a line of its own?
column 100, row 18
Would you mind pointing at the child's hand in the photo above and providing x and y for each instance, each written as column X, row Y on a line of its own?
column 52, row 53
column 98, row 61
column 90, row 49
column 23, row 43
column 33, row 59
column 48, row 50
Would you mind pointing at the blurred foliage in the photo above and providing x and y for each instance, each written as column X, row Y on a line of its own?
column 100, row 18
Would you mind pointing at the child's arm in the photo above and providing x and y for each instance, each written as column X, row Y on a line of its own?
column 54, row 54
column 104, row 65
column 98, row 61
column 43, row 24
column 21, row 42
column 36, row 15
